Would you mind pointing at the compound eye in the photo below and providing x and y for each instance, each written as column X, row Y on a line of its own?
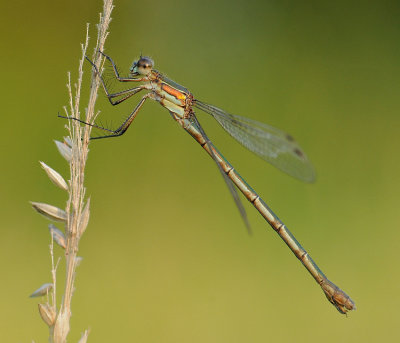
column 145, row 62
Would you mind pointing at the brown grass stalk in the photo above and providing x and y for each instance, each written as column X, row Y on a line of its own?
column 75, row 150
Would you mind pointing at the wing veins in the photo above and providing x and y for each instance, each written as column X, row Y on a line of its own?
column 269, row 143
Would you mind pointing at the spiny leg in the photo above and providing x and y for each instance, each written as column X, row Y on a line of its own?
column 119, row 78
column 110, row 96
column 125, row 125
column 127, row 93
column 86, row 123
column 122, row 129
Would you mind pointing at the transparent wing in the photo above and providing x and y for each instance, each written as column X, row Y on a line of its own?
column 271, row 144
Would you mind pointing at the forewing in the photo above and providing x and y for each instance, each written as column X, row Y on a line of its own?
column 271, row 144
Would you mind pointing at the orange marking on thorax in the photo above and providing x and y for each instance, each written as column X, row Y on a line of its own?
column 172, row 91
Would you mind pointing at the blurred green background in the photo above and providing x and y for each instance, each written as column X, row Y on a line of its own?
column 166, row 255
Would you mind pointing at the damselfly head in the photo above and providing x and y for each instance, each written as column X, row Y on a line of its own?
column 142, row 67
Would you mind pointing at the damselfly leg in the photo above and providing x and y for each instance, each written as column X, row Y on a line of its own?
column 120, row 96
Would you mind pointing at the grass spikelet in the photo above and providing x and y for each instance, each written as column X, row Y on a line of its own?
column 54, row 176
column 75, row 149
column 49, row 211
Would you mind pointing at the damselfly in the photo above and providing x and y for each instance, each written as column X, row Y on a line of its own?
column 272, row 145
